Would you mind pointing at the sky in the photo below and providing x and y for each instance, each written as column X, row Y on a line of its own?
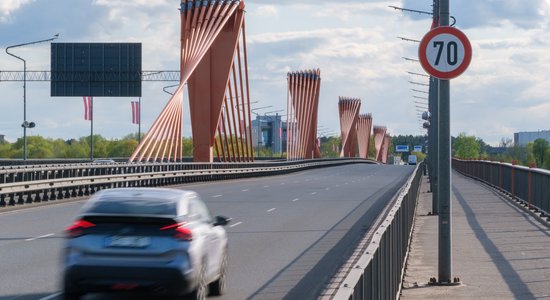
column 354, row 43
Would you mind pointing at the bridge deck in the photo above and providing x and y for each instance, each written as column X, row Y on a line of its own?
column 499, row 250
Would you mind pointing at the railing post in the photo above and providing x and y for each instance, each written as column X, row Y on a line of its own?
column 513, row 181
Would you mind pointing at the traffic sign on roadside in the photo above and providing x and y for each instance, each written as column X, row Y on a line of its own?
column 445, row 52
column 401, row 148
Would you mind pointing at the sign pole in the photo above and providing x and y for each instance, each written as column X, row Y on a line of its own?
column 434, row 99
column 444, row 166
column 91, row 128
column 444, row 52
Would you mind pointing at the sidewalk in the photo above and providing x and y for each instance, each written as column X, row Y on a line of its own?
column 499, row 250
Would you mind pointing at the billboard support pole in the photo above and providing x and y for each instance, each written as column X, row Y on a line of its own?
column 91, row 128
column 139, row 121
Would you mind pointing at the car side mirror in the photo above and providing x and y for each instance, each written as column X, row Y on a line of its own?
column 221, row 221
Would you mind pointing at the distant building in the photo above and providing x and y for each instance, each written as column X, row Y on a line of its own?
column 269, row 131
column 523, row 138
column 2, row 138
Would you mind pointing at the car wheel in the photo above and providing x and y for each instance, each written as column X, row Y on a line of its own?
column 202, row 286
column 217, row 287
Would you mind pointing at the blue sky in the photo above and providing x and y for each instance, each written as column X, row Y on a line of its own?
column 354, row 43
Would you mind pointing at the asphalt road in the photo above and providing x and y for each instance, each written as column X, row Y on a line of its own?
column 288, row 236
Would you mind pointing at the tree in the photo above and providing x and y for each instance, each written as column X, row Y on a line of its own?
column 539, row 150
column 466, row 146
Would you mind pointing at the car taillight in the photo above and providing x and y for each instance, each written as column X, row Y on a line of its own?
column 180, row 231
column 78, row 227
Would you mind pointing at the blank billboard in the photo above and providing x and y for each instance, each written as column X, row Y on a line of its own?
column 96, row 69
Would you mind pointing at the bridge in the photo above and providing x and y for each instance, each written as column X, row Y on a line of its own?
column 304, row 228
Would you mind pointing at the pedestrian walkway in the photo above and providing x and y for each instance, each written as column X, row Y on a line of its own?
column 499, row 250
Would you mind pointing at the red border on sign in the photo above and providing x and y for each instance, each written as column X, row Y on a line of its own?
column 424, row 59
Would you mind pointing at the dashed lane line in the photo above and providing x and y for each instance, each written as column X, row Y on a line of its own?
column 271, row 209
column 39, row 237
column 235, row 225
column 51, row 296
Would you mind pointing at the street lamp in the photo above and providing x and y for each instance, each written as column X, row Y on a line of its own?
column 25, row 123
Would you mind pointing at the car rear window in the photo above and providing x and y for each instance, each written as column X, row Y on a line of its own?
column 133, row 207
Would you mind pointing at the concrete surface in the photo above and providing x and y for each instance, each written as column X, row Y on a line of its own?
column 499, row 250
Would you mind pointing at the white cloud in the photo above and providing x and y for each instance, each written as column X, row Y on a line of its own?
column 353, row 42
column 266, row 11
column 7, row 7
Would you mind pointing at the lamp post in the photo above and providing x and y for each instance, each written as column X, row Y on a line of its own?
column 25, row 123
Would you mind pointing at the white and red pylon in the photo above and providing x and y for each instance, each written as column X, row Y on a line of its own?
column 213, row 64
column 364, row 128
column 302, row 107
column 349, row 114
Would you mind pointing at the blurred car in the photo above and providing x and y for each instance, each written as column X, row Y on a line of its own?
column 104, row 161
column 150, row 240
column 412, row 160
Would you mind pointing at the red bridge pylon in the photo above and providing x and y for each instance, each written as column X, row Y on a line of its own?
column 381, row 143
column 364, row 128
column 302, row 107
column 349, row 114
column 213, row 64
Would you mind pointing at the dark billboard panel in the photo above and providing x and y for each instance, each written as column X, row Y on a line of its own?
column 96, row 69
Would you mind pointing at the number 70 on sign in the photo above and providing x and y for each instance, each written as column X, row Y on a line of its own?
column 445, row 52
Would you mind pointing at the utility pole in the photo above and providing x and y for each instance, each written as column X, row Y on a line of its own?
column 444, row 167
column 434, row 132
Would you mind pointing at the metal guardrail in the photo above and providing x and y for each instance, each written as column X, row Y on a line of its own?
column 46, row 183
column 379, row 271
column 530, row 186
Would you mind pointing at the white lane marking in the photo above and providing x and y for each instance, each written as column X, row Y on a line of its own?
column 266, row 186
column 313, row 193
column 326, row 189
column 236, row 224
column 51, row 296
column 245, row 190
column 337, row 185
column 295, row 199
column 216, row 196
column 39, row 237
column 271, row 209
column 283, row 183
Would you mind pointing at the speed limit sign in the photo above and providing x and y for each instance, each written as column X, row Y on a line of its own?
column 445, row 52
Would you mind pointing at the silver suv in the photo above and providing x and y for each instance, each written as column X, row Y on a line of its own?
column 151, row 240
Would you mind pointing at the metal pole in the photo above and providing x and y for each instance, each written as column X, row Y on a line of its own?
column 434, row 95
column 24, row 109
column 91, row 128
column 435, row 147
column 25, row 124
column 139, row 121
column 444, row 180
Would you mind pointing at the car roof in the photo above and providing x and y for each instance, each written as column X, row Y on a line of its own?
column 159, row 194
column 139, row 197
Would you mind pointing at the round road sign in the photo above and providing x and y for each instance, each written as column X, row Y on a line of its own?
column 445, row 52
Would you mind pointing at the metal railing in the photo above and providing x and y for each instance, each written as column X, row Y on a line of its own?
column 379, row 271
column 45, row 183
column 530, row 186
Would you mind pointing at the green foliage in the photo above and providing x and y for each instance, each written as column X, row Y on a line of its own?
column 39, row 147
column 419, row 156
column 330, row 146
column 540, row 147
column 466, row 146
